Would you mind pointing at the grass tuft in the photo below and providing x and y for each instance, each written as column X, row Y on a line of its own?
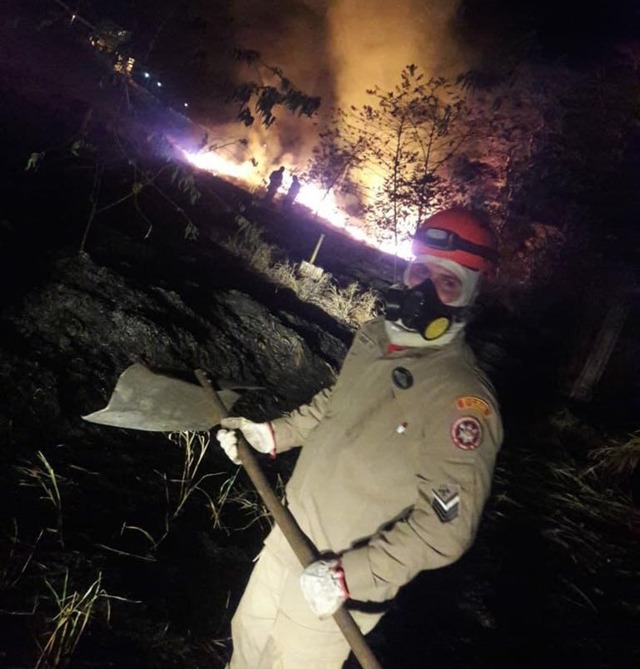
column 619, row 458
column 74, row 611
column 352, row 305
column 43, row 476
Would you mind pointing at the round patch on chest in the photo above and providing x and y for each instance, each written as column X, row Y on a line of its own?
column 402, row 378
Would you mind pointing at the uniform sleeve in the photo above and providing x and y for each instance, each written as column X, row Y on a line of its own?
column 293, row 428
column 453, row 481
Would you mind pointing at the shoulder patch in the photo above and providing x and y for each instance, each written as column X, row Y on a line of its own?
column 470, row 402
column 466, row 433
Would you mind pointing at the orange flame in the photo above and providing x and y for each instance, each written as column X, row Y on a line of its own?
column 315, row 198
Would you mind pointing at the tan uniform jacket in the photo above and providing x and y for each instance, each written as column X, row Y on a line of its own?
column 397, row 460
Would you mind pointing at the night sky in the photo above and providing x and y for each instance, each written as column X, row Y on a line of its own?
column 570, row 28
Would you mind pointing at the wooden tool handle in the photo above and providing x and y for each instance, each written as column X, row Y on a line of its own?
column 299, row 542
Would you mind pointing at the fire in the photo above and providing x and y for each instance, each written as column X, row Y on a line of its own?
column 212, row 162
column 315, row 198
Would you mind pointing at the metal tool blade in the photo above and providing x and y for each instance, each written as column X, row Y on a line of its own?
column 147, row 400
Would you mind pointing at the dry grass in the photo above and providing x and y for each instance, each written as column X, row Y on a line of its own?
column 43, row 476
column 584, row 516
column 619, row 458
column 74, row 610
column 194, row 446
column 17, row 557
column 352, row 305
column 579, row 501
column 252, row 506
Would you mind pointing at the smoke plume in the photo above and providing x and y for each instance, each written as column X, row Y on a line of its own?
column 370, row 41
column 337, row 49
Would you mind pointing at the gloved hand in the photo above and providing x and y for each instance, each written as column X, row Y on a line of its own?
column 324, row 587
column 259, row 435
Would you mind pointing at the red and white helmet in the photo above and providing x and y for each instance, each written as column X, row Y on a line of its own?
column 459, row 235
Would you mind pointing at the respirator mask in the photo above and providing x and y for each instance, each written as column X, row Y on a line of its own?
column 419, row 309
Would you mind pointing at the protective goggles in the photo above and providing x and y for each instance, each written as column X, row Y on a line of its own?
column 446, row 240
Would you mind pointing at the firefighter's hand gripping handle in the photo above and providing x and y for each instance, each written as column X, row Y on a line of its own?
column 302, row 547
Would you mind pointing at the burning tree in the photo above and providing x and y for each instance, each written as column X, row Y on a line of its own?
column 338, row 156
column 434, row 142
column 394, row 150
column 414, row 127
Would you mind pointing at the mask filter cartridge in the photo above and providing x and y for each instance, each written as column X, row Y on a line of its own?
column 421, row 310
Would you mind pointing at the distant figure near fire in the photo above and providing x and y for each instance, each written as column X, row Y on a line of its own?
column 292, row 193
column 275, row 181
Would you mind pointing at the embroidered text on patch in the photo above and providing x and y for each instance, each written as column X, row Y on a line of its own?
column 476, row 403
column 466, row 433
column 446, row 502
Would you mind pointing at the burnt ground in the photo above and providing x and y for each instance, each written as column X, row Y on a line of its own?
column 552, row 579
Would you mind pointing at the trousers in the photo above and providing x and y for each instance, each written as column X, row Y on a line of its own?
column 273, row 626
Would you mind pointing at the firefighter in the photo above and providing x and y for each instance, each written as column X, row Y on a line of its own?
column 275, row 181
column 292, row 193
column 396, row 462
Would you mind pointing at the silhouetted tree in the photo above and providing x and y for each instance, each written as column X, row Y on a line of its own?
column 395, row 148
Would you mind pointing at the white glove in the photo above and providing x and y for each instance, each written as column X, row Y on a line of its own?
column 259, row 435
column 324, row 587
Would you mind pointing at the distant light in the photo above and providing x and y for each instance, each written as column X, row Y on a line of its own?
column 159, row 84
column 146, row 75
column 186, row 104
column 73, row 17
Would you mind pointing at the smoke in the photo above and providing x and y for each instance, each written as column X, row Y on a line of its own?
column 337, row 49
column 292, row 37
column 370, row 41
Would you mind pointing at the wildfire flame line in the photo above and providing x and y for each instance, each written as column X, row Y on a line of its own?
column 315, row 198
